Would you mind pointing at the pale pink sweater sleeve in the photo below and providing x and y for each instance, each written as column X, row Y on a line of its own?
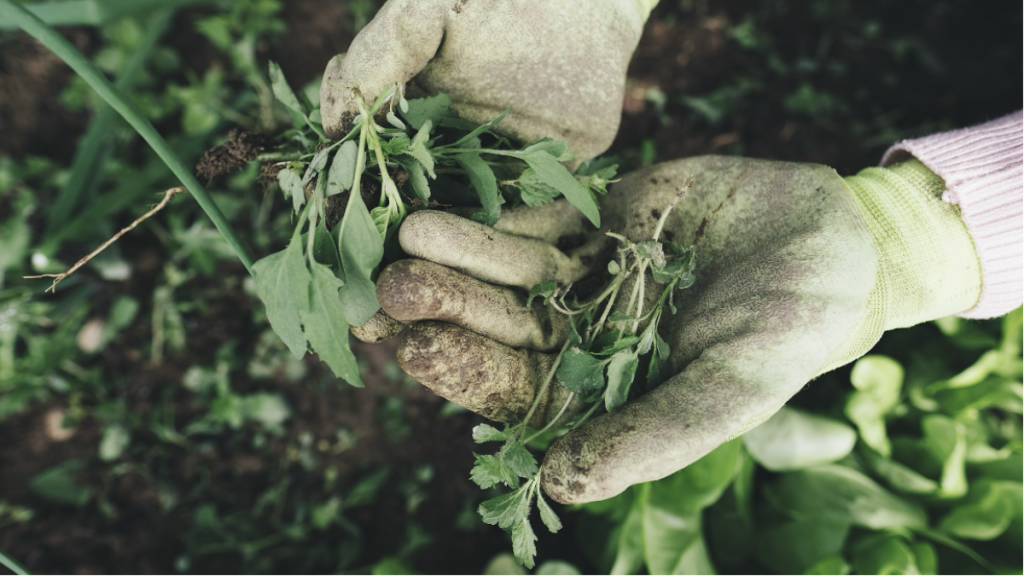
column 983, row 167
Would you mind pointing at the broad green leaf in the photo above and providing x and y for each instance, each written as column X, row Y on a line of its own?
column 792, row 439
column 291, row 186
column 674, row 541
column 700, row 484
column 840, row 495
column 417, row 178
column 327, row 327
column 557, row 568
column 629, row 551
column 833, row 565
column 878, row 380
column 486, row 185
column 547, row 515
column 487, row 433
column 490, row 471
column 361, row 247
column 580, row 372
column 59, row 484
column 925, row 557
column 899, row 476
column 557, row 176
column 283, row 92
column 481, row 129
column 795, row 547
column 524, row 542
column 945, row 440
column 342, row 174
column 884, row 554
column 282, row 282
column 984, row 514
column 621, row 371
column 325, row 250
column 519, row 460
column 316, row 165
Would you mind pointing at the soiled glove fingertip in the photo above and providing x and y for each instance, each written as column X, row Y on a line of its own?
column 378, row 328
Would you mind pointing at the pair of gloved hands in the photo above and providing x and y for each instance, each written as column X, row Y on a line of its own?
column 799, row 271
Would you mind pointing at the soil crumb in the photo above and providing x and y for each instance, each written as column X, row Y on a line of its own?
column 232, row 155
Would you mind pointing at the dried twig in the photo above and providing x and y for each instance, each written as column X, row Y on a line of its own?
column 58, row 277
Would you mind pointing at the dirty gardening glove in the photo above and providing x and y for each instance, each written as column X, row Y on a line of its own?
column 798, row 272
column 561, row 65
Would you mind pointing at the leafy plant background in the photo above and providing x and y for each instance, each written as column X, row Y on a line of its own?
column 151, row 422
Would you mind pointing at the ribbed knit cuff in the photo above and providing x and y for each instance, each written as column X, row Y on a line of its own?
column 983, row 167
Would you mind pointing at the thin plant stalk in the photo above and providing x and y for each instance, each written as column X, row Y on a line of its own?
column 92, row 76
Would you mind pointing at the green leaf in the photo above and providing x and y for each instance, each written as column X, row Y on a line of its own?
column 291, row 185
column 557, row 568
column 283, row 92
column 621, row 371
column 556, row 148
column 486, row 185
column 361, row 247
column 547, row 515
column 327, row 327
column 325, row 250
column 489, row 471
column 674, row 541
column 519, row 460
column 417, row 178
column 985, row 513
column 534, row 190
column 431, row 109
column 342, row 174
column 878, row 380
column 884, row 554
column 524, row 542
column 487, row 433
column 507, row 509
column 837, row 494
column 115, row 439
column 418, row 149
column 580, row 372
column 557, row 176
column 834, row 565
column 795, row 547
column 544, row 290
column 59, row 484
column 899, row 476
column 609, row 343
column 316, row 165
column 659, row 368
column 282, row 282
column 481, row 129
column 629, row 549
column 792, row 439
column 944, row 439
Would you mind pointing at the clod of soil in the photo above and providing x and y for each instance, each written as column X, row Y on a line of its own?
column 231, row 156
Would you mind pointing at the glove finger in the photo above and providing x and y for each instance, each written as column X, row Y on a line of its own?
column 483, row 375
column 494, row 256
column 378, row 328
column 391, row 49
column 412, row 290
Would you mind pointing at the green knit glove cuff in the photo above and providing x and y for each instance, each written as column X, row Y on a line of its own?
column 927, row 264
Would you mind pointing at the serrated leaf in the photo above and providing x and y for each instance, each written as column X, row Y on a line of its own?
column 519, row 460
column 283, row 92
column 361, row 247
column 381, row 217
column 291, row 186
column 547, row 515
column 524, row 542
column 487, row 433
column 557, row 176
column 430, row 109
column 326, row 326
column 282, row 282
column 489, row 471
column 343, row 169
column 486, row 185
column 534, row 190
column 507, row 509
column 580, row 372
column 621, row 371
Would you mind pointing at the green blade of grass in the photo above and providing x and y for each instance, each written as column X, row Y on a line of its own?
column 12, row 564
column 84, row 68
column 91, row 12
column 94, row 147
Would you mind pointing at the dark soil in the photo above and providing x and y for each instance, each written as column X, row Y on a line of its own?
column 232, row 155
column 685, row 50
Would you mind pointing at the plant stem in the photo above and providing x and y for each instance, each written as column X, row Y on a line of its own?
column 92, row 76
column 544, row 387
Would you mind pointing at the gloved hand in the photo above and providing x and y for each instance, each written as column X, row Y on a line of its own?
column 798, row 272
column 561, row 65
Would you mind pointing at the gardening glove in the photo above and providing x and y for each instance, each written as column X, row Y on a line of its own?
column 561, row 65
column 798, row 272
